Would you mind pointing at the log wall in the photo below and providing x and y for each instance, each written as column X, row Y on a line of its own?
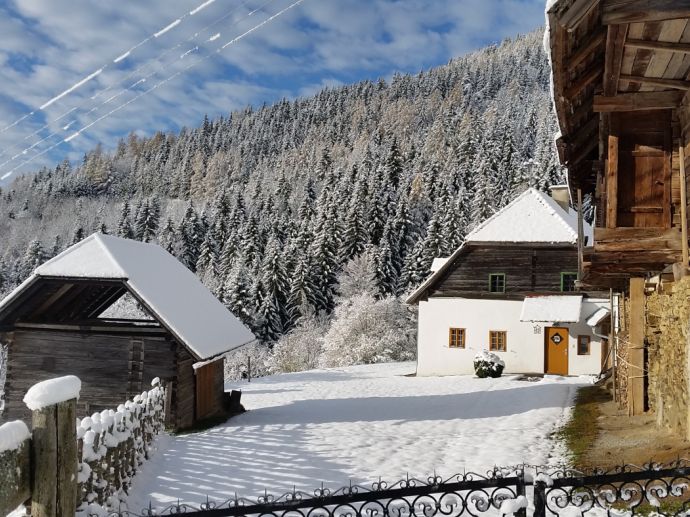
column 101, row 361
column 527, row 270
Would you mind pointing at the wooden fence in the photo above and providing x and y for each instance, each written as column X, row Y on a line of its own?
column 67, row 463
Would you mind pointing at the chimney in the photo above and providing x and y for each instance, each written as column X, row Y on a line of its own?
column 561, row 195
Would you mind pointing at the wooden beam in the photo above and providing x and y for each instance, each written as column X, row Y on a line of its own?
column 613, row 60
column 683, row 205
column 583, row 81
column 657, row 81
column 592, row 43
column 630, row 11
column 637, row 101
column 612, row 178
column 636, row 372
column 576, row 13
column 665, row 46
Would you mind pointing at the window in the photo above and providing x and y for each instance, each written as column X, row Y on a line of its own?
column 456, row 338
column 497, row 283
column 497, row 340
column 583, row 345
column 568, row 281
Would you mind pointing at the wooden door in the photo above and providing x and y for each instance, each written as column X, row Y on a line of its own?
column 205, row 389
column 556, row 351
column 644, row 165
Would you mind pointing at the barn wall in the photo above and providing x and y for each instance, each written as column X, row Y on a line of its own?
column 210, row 389
column 101, row 361
column 527, row 270
column 184, row 390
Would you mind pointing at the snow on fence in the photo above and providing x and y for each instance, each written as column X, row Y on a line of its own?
column 61, row 466
column 113, row 444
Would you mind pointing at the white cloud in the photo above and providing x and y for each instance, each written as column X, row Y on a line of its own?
column 49, row 45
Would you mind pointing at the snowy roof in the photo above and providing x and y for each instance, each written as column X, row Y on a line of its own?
column 600, row 315
column 531, row 217
column 437, row 263
column 561, row 308
column 173, row 294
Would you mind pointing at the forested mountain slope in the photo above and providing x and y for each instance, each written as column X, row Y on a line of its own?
column 268, row 204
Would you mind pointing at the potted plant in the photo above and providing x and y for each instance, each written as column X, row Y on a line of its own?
column 488, row 364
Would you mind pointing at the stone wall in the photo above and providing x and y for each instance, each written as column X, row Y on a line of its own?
column 667, row 331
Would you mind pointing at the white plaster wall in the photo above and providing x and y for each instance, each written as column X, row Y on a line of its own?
column 525, row 349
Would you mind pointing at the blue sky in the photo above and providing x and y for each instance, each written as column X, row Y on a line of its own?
column 48, row 46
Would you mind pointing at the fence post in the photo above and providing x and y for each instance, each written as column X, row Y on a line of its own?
column 520, row 491
column 54, row 449
column 54, row 459
column 539, row 499
column 44, row 461
column 68, row 463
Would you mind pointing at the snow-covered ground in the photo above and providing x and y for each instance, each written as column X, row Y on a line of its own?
column 357, row 424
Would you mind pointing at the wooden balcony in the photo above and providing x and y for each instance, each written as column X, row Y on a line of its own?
column 621, row 253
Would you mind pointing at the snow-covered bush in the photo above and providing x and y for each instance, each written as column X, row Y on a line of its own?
column 256, row 356
column 487, row 364
column 367, row 330
column 300, row 349
column 359, row 276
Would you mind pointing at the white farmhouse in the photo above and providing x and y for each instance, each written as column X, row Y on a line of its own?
column 510, row 289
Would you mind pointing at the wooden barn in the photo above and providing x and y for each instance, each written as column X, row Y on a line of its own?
column 53, row 325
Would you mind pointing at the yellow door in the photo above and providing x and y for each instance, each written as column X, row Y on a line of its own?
column 557, row 350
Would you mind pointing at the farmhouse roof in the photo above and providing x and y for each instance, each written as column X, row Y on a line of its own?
column 533, row 217
column 560, row 308
column 172, row 293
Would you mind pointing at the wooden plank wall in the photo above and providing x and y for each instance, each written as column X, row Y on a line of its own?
column 184, row 395
column 681, row 134
column 99, row 360
column 527, row 270
column 210, row 388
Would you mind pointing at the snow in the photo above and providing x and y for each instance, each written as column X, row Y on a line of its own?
column 358, row 423
column 510, row 506
column 173, row 293
column 560, row 308
column 532, row 217
column 489, row 357
column 52, row 391
column 598, row 317
column 437, row 263
column 12, row 435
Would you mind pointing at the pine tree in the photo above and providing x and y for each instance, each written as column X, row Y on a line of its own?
column 124, row 226
column 237, row 295
column 77, row 235
column 34, row 257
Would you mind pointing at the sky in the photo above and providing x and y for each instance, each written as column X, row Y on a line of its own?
column 75, row 73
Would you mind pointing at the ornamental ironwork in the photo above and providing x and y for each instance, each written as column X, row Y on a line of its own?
column 537, row 491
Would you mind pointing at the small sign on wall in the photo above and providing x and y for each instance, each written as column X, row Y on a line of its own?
column 537, row 329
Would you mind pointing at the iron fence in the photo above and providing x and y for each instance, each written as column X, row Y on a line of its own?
column 653, row 489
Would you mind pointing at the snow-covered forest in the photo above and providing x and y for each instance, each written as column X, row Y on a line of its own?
column 269, row 204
